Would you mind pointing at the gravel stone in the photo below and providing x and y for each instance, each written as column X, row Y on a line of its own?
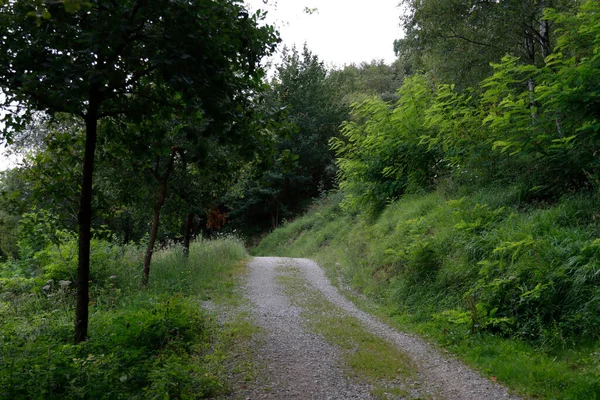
column 300, row 365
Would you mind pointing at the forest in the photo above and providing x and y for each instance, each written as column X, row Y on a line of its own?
column 457, row 187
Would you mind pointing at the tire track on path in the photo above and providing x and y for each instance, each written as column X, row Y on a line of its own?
column 300, row 365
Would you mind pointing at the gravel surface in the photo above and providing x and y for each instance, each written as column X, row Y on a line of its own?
column 300, row 365
column 297, row 364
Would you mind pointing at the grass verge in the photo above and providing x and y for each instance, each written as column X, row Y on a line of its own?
column 156, row 342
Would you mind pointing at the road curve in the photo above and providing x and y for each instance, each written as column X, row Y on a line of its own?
column 300, row 365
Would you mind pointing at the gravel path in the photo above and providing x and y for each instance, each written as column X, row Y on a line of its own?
column 300, row 365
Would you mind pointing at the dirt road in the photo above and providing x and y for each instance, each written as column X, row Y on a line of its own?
column 304, row 356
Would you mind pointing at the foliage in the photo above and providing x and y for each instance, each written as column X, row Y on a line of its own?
column 381, row 155
column 140, row 55
column 456, row 40
column 305, row 109
column 129, row 60
column 151, row 344
column 369, row 79
column 154, row 64
column 551, row 131
column 504, row 249
column 13, row 203
column 531, row 124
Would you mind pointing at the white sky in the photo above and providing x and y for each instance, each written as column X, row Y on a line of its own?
column 340, row 31
column 5, row 161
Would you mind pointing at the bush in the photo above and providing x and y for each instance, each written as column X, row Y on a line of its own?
column 381, row 154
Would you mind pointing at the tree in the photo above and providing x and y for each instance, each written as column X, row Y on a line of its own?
column 308, row 106
column 12, row 206
column 123, row 59
column 456, row 40
column 368, row 79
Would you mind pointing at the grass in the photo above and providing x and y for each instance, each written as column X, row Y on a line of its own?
column 365, row 355
column 158, row 342
column 510, row 287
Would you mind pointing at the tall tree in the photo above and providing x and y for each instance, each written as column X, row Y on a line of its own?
column 110, row 59
column 306, row 100
column 456, row 40
column 355, row 82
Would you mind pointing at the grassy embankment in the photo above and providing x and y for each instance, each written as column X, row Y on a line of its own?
column 151, row 343
column 511, row 288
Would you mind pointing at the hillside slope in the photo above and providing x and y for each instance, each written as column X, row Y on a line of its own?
column 511, row 288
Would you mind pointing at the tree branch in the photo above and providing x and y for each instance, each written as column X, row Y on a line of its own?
column 121, row 86
column 56, row 106
column 475, row 42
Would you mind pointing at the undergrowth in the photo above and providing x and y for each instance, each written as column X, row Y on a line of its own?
column 511, row 287
column 143, row 343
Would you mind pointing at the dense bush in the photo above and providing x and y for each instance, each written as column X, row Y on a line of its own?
column 536, row 125
column 126, row 357
column 380, row 155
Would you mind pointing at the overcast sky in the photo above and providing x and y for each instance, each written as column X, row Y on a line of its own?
column 339, row 32
column 4, row 161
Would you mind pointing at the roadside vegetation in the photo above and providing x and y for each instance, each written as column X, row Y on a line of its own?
column 158, row 342
column 141, row 126
column 508, row 286
column 456, row 189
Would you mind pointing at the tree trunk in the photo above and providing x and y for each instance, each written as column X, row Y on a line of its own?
column 187, row 234
column 275, row 216
column 85, row 222
column 127, row 231
column 531, row 88
column 544, row 32
column 157, row 208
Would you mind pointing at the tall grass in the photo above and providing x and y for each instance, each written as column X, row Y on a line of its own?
column 510, row 286
column 143, row 343
column 202, row 272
